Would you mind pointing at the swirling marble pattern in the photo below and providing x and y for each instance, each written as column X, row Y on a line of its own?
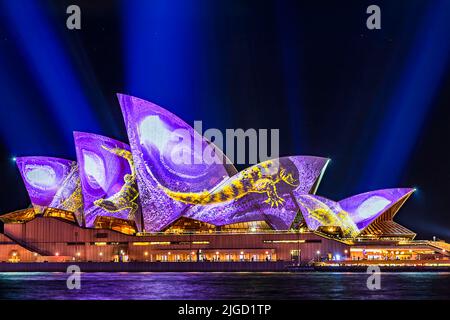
column 103, row 168
column 52, row 182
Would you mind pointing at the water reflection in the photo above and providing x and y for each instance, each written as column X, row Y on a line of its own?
column 196, row 285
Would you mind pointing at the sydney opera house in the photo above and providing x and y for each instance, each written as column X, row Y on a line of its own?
column 121, row 202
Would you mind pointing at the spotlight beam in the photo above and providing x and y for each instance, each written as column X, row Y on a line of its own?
column 413, row 99
column 48, row 63
column 161, row 48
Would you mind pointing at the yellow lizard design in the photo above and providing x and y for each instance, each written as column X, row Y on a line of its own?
column 126, row 197
column 73, row 202
column 326, row 217
column 257, row 179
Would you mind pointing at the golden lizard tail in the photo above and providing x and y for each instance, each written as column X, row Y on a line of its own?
column 203, row 198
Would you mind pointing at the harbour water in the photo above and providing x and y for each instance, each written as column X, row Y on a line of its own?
column 220, row 285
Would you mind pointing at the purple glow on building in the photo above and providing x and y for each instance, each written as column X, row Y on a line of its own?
column 364, row 208
column 155, row 136
column 108, row 178
column 261, row 192
column 310, row 203
column 322, row 212
column 352, row 214
column 170, row 171
column 52, row 182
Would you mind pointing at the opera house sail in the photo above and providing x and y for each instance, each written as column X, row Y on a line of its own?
column 152, row 132
column 108, row 179
column 52, row 183
column 351, row 215
column 262, row 192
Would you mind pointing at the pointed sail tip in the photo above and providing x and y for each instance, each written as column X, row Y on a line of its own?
column 120, row 95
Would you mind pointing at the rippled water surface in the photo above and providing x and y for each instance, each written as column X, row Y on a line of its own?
column 313, row 285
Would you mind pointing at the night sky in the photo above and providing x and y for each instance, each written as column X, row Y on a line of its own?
column 375, row 101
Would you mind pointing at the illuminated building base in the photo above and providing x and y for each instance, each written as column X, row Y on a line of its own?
column 32, row 242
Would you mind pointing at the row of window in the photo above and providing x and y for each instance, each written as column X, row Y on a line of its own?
column 148, row 243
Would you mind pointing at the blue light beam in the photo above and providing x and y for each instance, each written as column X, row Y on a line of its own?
column 413, row 99
column 161, row 46
column 50, row 66
column 16, row 118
